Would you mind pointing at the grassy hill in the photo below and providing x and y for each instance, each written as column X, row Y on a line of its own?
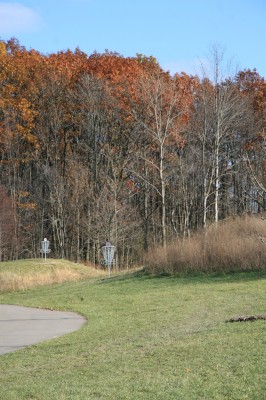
column 145, row 338
column 25, row 274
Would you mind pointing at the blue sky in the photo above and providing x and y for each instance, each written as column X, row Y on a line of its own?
column 177, row 33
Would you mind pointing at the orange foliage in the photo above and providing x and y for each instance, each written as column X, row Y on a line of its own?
column 68, row 64
column 18, row 71
column 250, row 82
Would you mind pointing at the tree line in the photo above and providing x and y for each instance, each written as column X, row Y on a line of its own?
column 106, row 147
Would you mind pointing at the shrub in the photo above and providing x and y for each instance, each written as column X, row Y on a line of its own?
column 236, row 244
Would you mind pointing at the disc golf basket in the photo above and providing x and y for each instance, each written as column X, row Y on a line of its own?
column 44, row 250
column 108, row 255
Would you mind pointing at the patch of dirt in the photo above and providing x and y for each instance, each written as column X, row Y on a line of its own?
column 247, row 318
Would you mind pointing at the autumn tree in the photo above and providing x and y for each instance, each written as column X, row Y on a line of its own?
column 19, row 69
column 253, row 86
column 104, row 146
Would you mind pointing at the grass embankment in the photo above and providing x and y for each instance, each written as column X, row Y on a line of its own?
column 24, row 274
column 145, row 338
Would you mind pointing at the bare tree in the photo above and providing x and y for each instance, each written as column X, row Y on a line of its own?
column 220, row 116
column 163, row 103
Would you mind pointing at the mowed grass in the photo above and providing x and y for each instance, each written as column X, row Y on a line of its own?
column 145, row 338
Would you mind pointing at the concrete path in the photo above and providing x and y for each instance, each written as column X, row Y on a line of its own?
column 24, row 326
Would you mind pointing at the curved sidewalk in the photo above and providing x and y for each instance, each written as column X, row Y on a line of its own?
column 24, row 326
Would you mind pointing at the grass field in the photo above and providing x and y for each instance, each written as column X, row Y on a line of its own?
column 145, row 338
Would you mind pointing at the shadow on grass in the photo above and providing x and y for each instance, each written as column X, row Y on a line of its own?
column 189, row 278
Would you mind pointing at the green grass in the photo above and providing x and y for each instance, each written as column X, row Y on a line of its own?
column 145, row 338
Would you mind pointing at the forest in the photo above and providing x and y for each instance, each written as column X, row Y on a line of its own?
column 104, row 147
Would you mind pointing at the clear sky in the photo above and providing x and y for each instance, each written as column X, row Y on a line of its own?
column 178, row 33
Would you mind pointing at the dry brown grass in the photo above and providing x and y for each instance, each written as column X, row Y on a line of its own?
column 22, row 275
column 233, row 245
